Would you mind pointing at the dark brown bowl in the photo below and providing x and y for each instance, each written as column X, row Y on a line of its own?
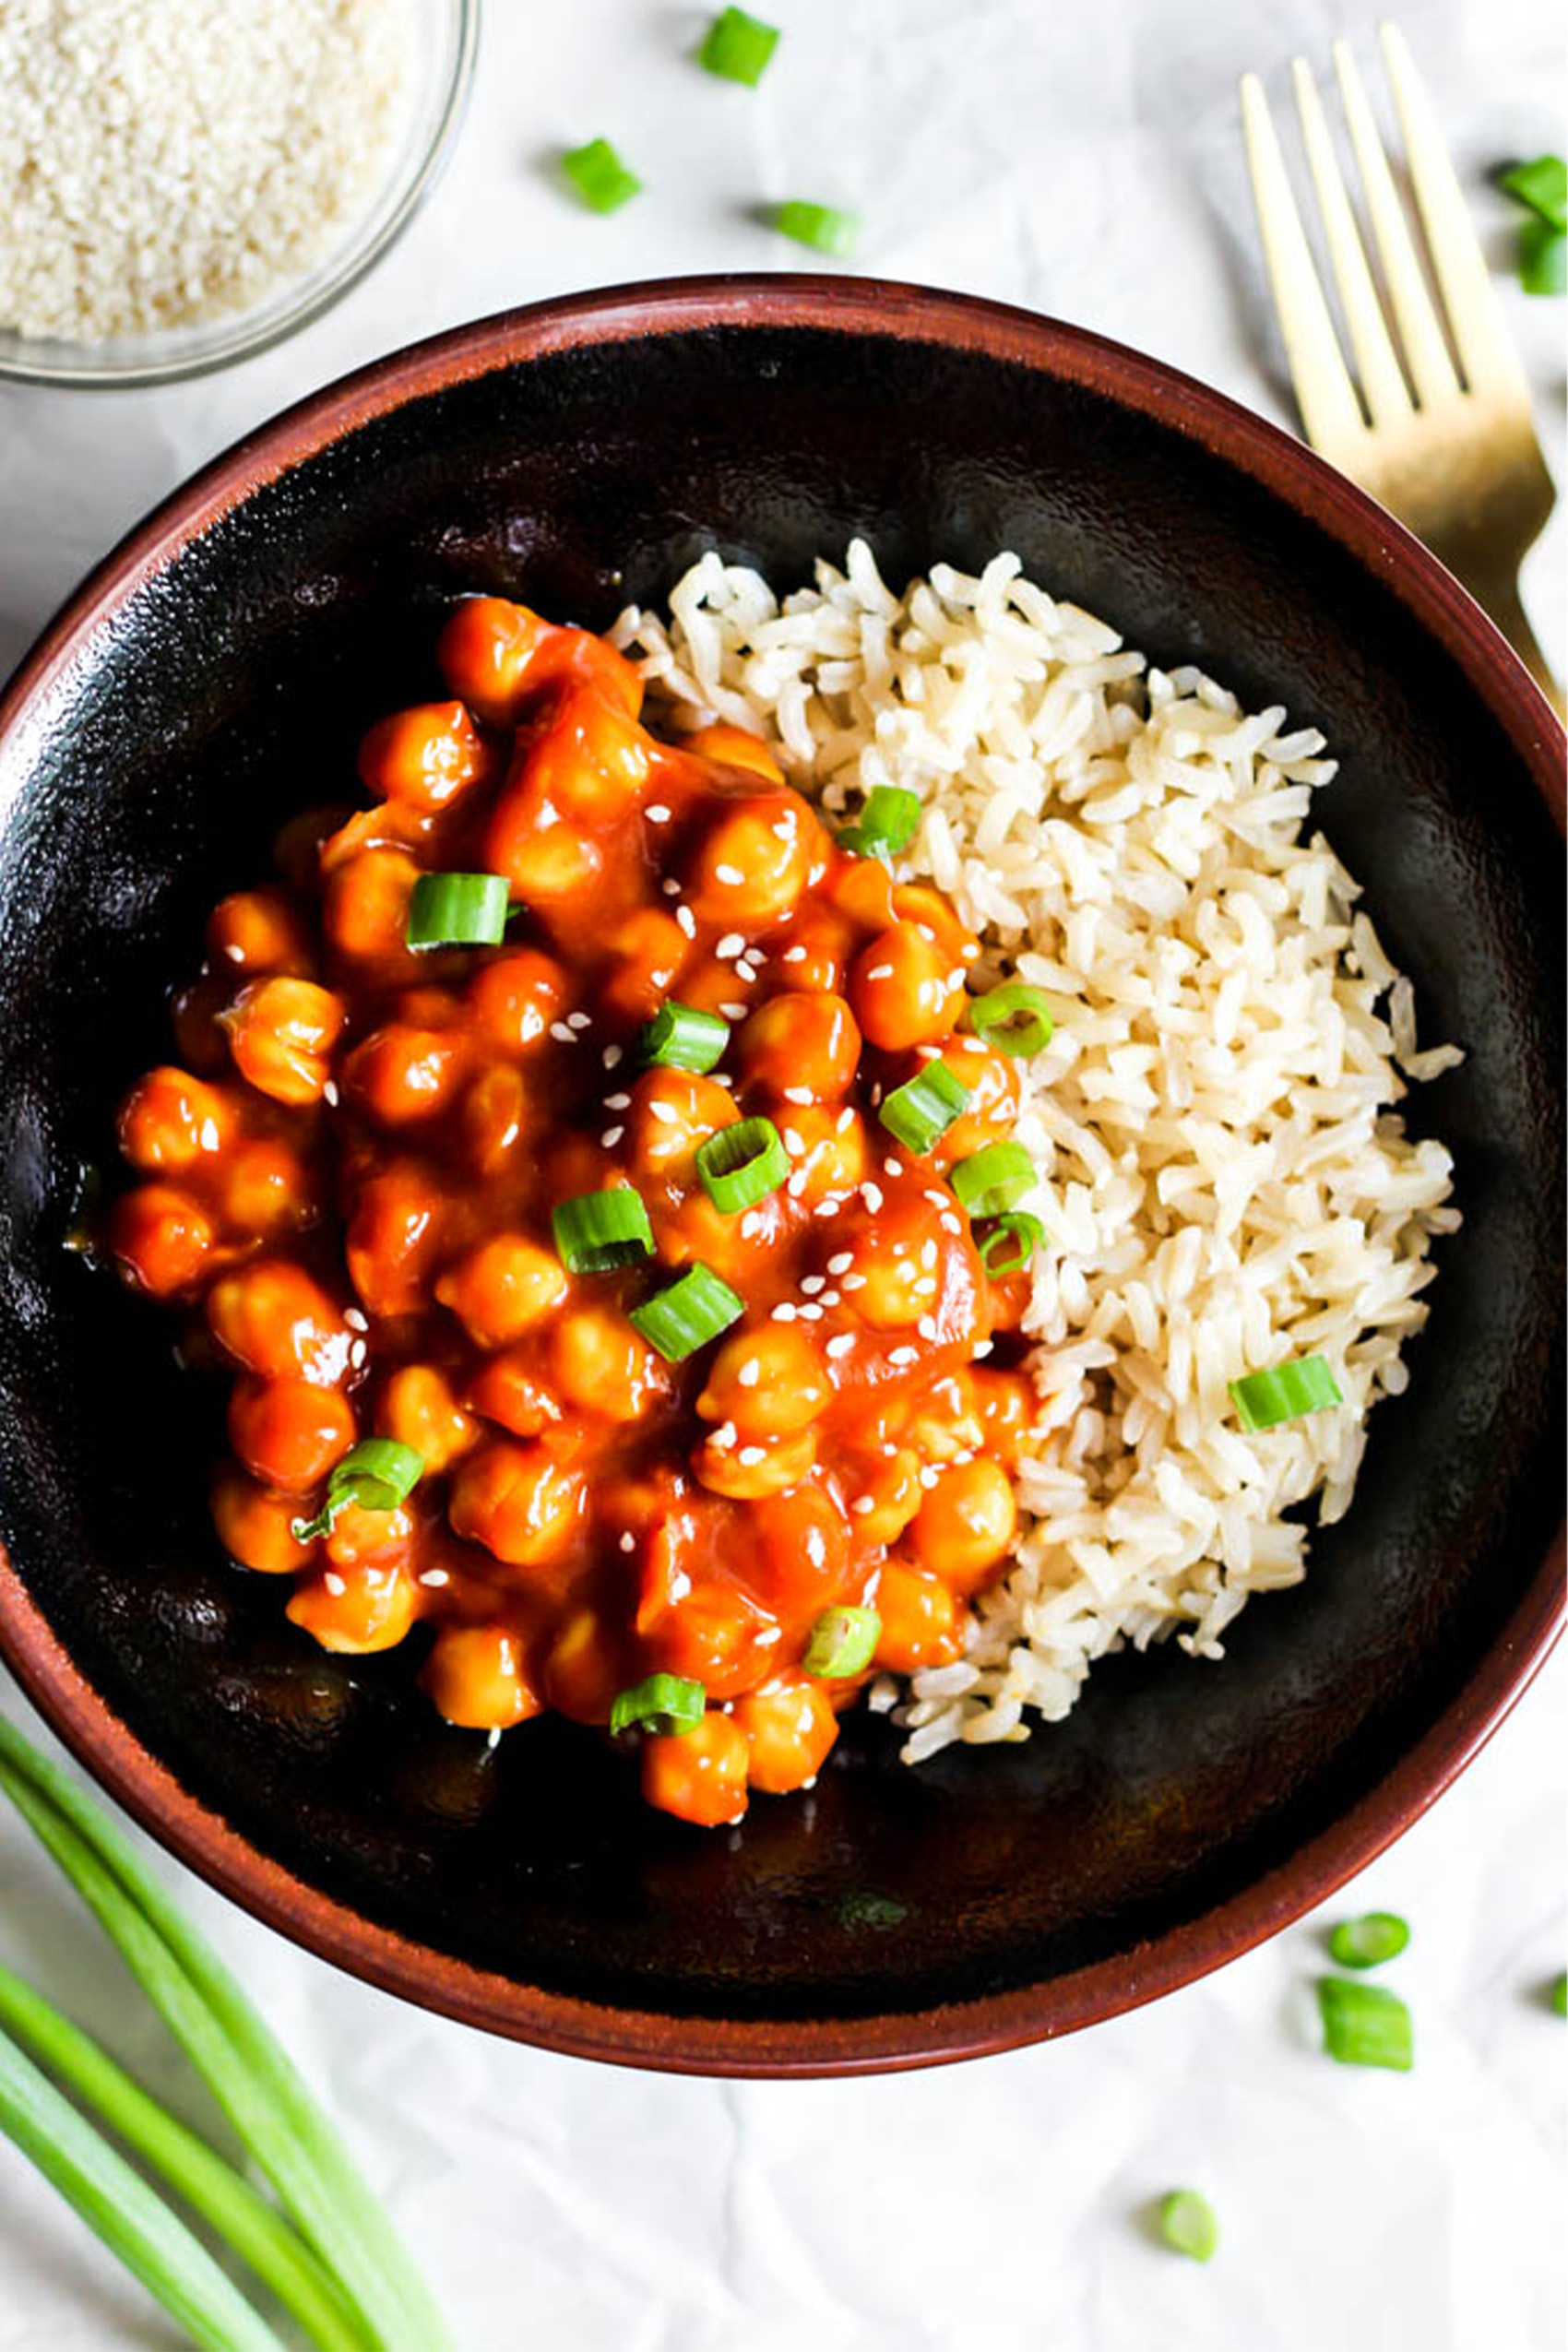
column 215, row 672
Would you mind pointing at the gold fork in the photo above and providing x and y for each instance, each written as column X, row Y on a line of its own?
column 1452, row 453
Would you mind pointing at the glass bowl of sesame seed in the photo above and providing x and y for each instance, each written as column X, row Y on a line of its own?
column 195, row 180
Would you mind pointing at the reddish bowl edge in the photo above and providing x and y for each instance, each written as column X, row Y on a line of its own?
column 798, row 2046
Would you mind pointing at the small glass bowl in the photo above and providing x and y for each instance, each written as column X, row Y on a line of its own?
column 445, row 41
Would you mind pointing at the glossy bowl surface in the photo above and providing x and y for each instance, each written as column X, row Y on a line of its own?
column 214, row 675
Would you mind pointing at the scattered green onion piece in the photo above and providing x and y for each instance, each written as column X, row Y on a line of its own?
column 820, row 226
column 377, row 1474
column 843, row 1641
column 991, row 1179
column 599, row 177
column 1368, row 1942
column 741, row 1164
column 662, row 1703
column 1018, row 1226
column 1543, row 259
column 457, row 911
column 886, row 823
column 680, row 1038
column 1557, row 1995
column 920, row 1112
column 1014, row 1017
column 1283, row 1393
column 738, row 47
column 1189, row 2224
column 694, row 1309
column 598, row 1231
column 1365, row 2025
column 1542, row 183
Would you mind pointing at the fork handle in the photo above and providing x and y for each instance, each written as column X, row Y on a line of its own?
column 1501, row 599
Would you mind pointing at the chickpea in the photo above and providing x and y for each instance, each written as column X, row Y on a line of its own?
column 1008, row 1408
column 861, row 890
column 733, row 1247
column 715, row 1636
column 507, row 1389
column 788, row 1728
column 904, row 988
column 585, row 1667
column 992, row 1081
column 297, row 848
column 517, row 1500
column 652, row 951
column 967, row 1525
column 394, row 1238
column 494, row 1119
column 600, row 1363
column 199, row 1040
column 546, row 860
column 253, row 1523
column 895, row 1277
column 274, row 1319
column 423, row 757
column 477, row 1678
column 769, row 1380
column 827, row 1147
column 280, row 1034
column 699, row 1775
column 429, row 1007
column 815, row 951
column 484, row 653
column 759, row 1466
column 264, row 1189
column 514, row 999
column 418, row 1408
column 569, row 658
column 398, row 1075
column 734, row 747
column 365, row 910
column 919, row 1617
column 171, row 1121
column 888, row 1494
column 754, row 862
column 363, row 1538
column 802, row 1543
column 802, row 1044
column 289, row 1432
column 918, row 903
column 672, row 1112
column 591, row 761
column 161, row 1238
column 260, row 931
column 358, row 1611
column 503, row 1288
column 711, row 984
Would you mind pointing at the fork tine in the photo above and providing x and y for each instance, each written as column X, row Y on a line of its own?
column 1326, row 397
column 1386, row 394
column 1426, row 354
column 1486, row 353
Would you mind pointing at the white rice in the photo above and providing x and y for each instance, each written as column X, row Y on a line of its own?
column 1224, row 1179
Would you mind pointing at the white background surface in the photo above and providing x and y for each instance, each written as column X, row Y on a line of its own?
column 1082, row 157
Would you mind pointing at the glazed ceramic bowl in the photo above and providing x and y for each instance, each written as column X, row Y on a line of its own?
column 214, row 675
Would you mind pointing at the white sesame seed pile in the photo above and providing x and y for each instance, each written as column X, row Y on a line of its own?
column 168, row 160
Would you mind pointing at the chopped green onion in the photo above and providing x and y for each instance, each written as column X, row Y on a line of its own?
column 886, row 823
column 1365, row 2025
column 920, row 1112
column 680, row 1038
column 1368, row 1942
column 1543, row 259
column 694, row 1309
column 1018, row 1226
column 818, row 225
column 1189, row 2224
column 738, row 47
column 1542, row 183
column 599, row 176
column 1015, row 1016
column 1285, row 1392
column 662, row 1703
column 598, row 1231
column 742, row 1164
column 843, row 1641
column 1557, row 1995
column 991, row 1179
column 457, row 911
column 376, row 1474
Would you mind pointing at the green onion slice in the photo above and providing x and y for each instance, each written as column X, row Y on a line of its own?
column 1264, row 1398
column 1022, row 1231
column 1365, row 2025
column 820, row 226
column 1189, row 2224
column 661, row 1703
column 886, row 823
column 1542, row 183
column 1368, row 1942
column 694, row 1309
column 1014, row 1017
column 378, row 1473
column 1557, row 1995
column 920, row 1112
column 680, row 1038
column 989, row 1181
column 1543, row 259
column 598, row 1231
column 599, row 176
column 742, row 1164
column 738, row 47
column 843, row 1641
column 457, row 911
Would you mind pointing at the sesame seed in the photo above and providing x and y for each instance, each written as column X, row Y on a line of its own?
column 982, row 1348
column 730, row 876
column 970, row 952
column 724, row 1437
column 749, row 1374
column 357, row 1351
column 330, row 1093
column 811, row 1283
column 793, row 1143
column 811, row 1311
column 930, row 1477
column 793, row 956
column 734, row 1011
column 783, row 830
column 814, row 876
column 927, row 1326
column 784, row 1312
column 665, row 1112
column 628, row 1541
column 617, row 1102
column 612, row 1137
column 864, row 1503
column 492, row 1737
column 436, row 1577
column 841, row 1343
column 334, row 1582
column 610, row 1057
column 904, row 1356
column 751, row 1225
column 955, row 980
column 730, row 945
column 579, row 1020
column 893, row 1166
column 844, row 1120
column 356, row 1319
column 830, row 1298
column 562, row 1034
column 880, row 971
column 829, row 1205
column 800, row 1095
column 687, row 921
column 854, row 1282
column 872, row 1195
column 657, row 813
column 797, row 1185
column 752, row 1454
column 670, row 886
column 841, row 1263
column 927, row 1250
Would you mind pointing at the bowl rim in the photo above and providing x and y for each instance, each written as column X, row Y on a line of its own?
column 890, row 2039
